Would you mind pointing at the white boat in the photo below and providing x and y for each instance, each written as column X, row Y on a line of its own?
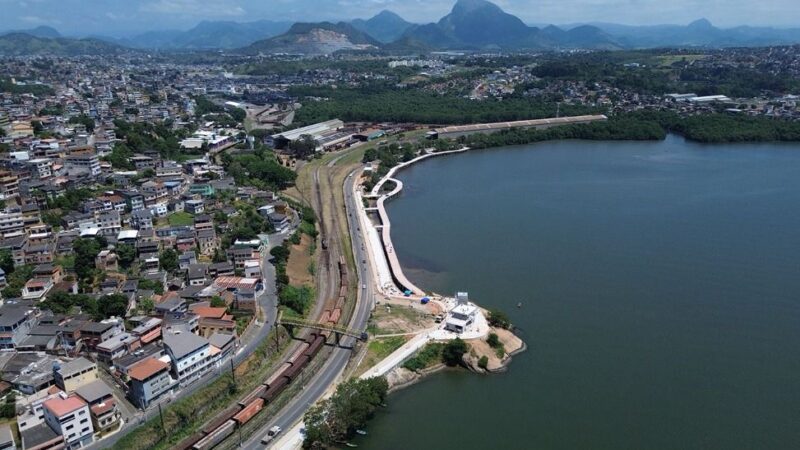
column 361, row 432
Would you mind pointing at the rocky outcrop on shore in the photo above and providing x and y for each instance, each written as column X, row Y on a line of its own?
column 400, row 377
column 497, row 357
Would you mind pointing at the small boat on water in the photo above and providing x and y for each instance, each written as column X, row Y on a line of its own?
column 519, row 305
column 350, row 444
column 361, row 432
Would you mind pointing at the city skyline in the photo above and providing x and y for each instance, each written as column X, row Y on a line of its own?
column 117, row 18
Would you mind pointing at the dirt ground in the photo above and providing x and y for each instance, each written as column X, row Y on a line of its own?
column 299, row 259
column 391, row 319
column 511, row 343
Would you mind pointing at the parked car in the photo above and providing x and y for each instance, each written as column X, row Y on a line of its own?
column 271, row 434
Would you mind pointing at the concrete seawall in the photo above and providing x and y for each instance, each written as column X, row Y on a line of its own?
column 386, row 225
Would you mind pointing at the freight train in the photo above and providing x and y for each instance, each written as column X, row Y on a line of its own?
column 229, row 420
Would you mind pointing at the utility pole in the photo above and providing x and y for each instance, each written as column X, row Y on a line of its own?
column 161, row 415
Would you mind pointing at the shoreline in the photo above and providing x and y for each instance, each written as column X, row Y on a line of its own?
column 399, row 280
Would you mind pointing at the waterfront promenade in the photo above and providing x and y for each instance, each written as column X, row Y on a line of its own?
column 384, row 254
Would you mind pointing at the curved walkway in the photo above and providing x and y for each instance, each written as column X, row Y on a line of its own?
column 386, row 225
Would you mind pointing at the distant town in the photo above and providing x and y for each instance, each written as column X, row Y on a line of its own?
column 160, row 211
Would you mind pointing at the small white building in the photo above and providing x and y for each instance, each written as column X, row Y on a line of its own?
column 462, row 316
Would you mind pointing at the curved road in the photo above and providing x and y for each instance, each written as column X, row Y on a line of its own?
column 249, row 341
column 337, row 361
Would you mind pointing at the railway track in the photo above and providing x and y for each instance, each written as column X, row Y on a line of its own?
column 334, row 281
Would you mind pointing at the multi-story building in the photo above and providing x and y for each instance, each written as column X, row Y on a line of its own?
column 154, row 192
column 9, row 184
column 190, row 354
column 41, row 168
column 134, row 200
column 83, row 162
column 117, row 346
column 16, row 322
column 194, row 206
column 102, row 404
column 109, row 222
column 142, row 219
column 207, row 241
column 69, row 416
column 93, row 333
column 11, row 223
column 36, row 288
column 71, row 375
column 149, row 381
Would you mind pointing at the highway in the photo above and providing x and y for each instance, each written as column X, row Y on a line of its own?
column 319, row 384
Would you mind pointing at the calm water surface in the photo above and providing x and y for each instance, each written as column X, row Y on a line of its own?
column 660, row 289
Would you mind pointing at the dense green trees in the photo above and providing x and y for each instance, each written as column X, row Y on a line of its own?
column 260, row 169
column 16, row 281
column 168, row 260
column 304, row 147
column 296, row 298
column 150, row 136
column 498, row 319
column 113, row 305
column 87, row 121
column 386, row 103
column 120, row 157
column 6, row 261
column 154, row 286
column 86, row 250
column 126, row 254
column 453, row 351
column 71, row 200
column 334, row 420
column 205, row 106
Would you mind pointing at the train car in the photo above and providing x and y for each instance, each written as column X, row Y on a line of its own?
column 302, row 349
column 315, row 346
column 298, row 365
column 257, row 393
column 335, row 315
column 276, row 375
column 189, row 442
column 343, row 291
column 314, row 335
column 275, row 388
column 221, row 418
column 249, row 411
column 325, row 316
column 216, row 437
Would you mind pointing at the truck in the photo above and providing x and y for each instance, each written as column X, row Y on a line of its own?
column 271, row 434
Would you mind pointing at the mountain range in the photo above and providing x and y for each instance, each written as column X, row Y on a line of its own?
column 23, row 44
column 315, row 38
column 470, row 25
column 207, row 35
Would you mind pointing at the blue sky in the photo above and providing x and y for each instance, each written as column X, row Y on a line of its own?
column 120, row 16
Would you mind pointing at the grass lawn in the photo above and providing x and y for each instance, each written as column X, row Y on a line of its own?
column 378, row 349
column 180, row 219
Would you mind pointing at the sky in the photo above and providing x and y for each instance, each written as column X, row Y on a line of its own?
column 120, row 17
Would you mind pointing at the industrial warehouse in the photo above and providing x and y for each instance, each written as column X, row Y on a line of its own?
column 486, row 128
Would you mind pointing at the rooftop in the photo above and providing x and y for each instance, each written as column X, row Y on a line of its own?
column 94, row 391
column 60, row 406
column 182, row 344
column 147, row 368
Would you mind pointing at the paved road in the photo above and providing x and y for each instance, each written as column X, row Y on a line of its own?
column 333, row 367
column 248, row 343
